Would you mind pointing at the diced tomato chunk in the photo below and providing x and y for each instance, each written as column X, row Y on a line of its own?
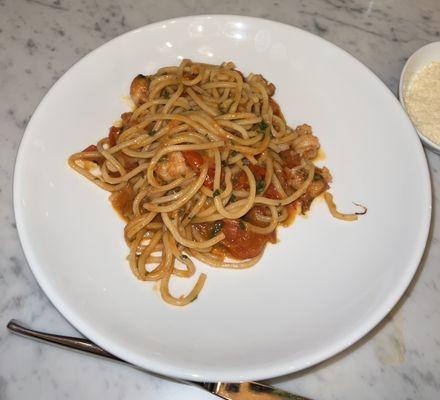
column 113, row 135
column 209, row 180
column 275, row 108
column 291, row 158
column 272, row 193
column 240, row 180
column 193, row 158
column 92, row 147
column 241, row 243
column 258, row 171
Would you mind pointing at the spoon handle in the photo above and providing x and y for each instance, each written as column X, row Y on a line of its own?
column 73, row 343
column 227, row 391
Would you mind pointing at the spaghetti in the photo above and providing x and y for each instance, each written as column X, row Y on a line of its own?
column 204, row 167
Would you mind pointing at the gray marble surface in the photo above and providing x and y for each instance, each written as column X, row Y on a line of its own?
column 40, row 39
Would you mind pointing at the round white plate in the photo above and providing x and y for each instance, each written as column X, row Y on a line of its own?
column 320, row 289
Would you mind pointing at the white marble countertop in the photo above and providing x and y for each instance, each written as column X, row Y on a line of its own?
column 40, row 39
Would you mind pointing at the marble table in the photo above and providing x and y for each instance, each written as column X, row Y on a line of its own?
column 40, row 39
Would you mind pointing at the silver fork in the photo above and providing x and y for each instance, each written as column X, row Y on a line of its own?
column 228, row 391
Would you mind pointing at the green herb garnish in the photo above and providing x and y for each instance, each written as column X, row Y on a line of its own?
column 242, row 225
column 184, row 257
column 152, row 133
column 233, row 198
column 217, row 228
column 234, row 153
column 216, row 193
column 245, row 161
column 195, row 298
column 317, row 177
column 223, row 109
column 262, row 126
column 260, row 186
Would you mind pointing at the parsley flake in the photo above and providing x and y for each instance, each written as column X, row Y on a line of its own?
column 262, row 126
column 260, row 186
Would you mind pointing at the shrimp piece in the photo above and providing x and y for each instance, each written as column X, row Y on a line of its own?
column 172, row 167
column 306, row 144
column 295, row 177
column 139, row 89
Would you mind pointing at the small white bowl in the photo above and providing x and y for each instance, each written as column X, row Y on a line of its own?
column 421, row 58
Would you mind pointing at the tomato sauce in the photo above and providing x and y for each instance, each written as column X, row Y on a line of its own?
column 195, row 160
column 122, row 202
column 113, row 134
column 239, row 243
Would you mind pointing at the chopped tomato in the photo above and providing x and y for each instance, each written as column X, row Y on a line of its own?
column 275, row 107
column 193, row 158
column 240, row 180
column 122, row 201
column 241, row 243
column 92, row 147
column 126, row 117
column 113, row 135
column 290, row 158
column 209, row 180
column 205, row 229
column 272, row 193
column 130, row 165
column 255, row 212
column 258, row 171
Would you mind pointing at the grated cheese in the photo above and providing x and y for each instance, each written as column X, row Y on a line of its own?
column 422, row 101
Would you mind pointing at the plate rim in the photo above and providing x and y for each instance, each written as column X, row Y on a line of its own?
column 167, row 368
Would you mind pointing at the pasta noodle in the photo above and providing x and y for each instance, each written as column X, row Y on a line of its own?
column 204, row 167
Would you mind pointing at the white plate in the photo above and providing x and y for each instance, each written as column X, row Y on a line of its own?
column 326, row 283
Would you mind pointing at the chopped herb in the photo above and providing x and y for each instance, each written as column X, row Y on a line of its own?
column 216, row 193
column 260, row 186
column 233, row 198
column 262, row 126
column 317, row 177
column 184, row 257
column 152, row 133
column 245, row 161
column 166, row 95
column 223, row 109
column 234, row 153
column 217, row 228
column 195, row 298
column 242, row 225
